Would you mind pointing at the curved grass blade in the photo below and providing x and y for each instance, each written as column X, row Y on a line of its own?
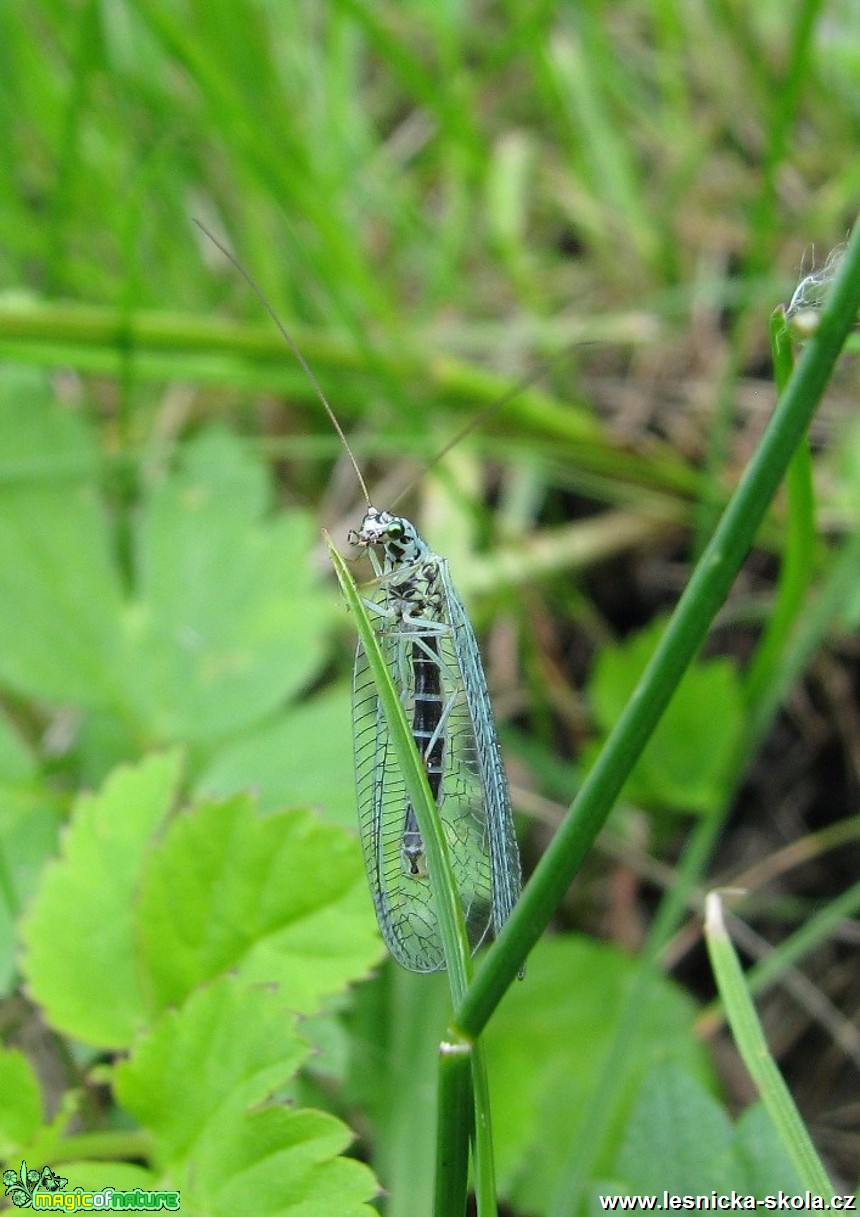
column 752, row 1045
column 448, row 909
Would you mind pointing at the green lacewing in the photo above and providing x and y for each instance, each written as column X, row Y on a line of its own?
column 432, row 656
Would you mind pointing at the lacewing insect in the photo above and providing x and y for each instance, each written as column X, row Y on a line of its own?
column 432, row 656
column 431, row 652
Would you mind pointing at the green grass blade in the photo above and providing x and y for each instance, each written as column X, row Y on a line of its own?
column 752, row 1046
column 818, row 929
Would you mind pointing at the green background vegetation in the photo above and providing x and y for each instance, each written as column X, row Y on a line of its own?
column 600, row 204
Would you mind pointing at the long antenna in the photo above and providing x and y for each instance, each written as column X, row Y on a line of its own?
column 477, row 420
column 303, row 363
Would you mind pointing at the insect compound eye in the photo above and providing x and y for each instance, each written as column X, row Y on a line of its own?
column 394, row 530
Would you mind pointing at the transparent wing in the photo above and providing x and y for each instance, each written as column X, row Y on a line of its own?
column 403, row 901
column 472, row 798
column 501, row 841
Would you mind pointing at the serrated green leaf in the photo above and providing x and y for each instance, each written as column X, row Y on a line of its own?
column 676, row 1138
column 302, row 759
column 281, row 898
column 197, row 1082
column 80, row 957
column 121, row 926
column 317, row 955
column 545, row 1051
column 229, row 1045
column 20, row 1103
column 228, row 621
column 689, row 763
column 286, row 1161
column 59, row 589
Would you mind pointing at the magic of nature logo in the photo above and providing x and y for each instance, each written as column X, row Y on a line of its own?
column 44, row 1189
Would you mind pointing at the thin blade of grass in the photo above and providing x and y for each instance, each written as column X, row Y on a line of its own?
column 752, row 1046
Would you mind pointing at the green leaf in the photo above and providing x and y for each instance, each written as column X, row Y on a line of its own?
column 59, row 589
column 677, row 1137
column 759, row 1163
column 228, row 620
column 286, row 1161
column 20, row 1103
column 282, row 898
column 81, row 958
column 303, row 758
column 197, row 1082
column 689, row 764
column 123, row 925
column 545, row 1049
column 680, row 1138
column 229, row 1045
